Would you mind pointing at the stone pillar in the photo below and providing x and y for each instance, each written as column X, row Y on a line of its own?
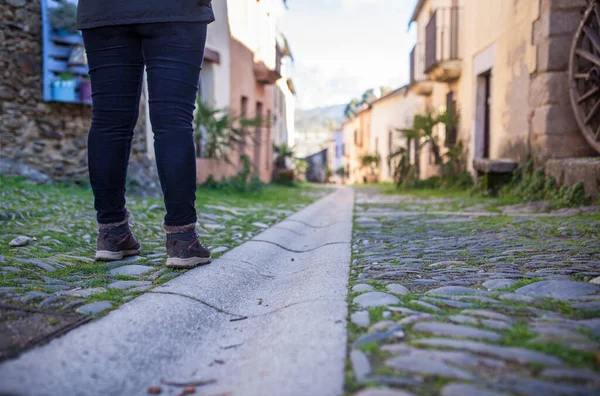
column 553, row 129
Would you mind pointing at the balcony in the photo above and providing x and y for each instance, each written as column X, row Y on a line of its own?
column 266, row 75
column 420, row 83
column 442, row 45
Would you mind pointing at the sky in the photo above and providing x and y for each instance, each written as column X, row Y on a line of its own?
column 343, row 47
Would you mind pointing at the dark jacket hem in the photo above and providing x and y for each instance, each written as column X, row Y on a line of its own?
column 207, row 18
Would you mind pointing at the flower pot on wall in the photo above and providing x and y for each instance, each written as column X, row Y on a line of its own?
column 283, row 175
column 64, row 90
column 85, row 91
column 62, row 32
column 372, row 179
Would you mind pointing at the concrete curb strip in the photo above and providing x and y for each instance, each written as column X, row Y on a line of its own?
column 269, row 317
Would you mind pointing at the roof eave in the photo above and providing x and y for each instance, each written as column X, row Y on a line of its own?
column 402, row 90
column 417, row 11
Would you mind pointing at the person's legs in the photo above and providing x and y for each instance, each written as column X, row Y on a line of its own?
column 115, row 59
column 116, row 67
column 173, row 54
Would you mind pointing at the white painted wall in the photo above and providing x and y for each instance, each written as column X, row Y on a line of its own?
column 218, row 40
column 388, row 114
column 253, row 24
column 287, row 105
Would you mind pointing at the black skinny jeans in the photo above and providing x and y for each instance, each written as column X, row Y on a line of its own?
column 172, row 53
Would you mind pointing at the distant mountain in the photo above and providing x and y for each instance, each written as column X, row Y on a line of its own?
column 317, row 120
column 314, row 127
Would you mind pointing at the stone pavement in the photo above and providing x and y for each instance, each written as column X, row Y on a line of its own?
column 458, row 301
column 446, row 297
column 266, row 318
column 49, row 282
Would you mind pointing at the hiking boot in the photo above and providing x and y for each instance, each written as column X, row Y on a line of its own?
column 113, row 247
column 186, row 252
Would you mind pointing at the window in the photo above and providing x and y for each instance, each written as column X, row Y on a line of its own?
column 483, row 101
column 244, row 107
column 62, row 53
column 206, row 84
column 257, row 135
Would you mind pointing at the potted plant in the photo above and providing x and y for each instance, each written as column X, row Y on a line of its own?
column 63, row 18
column 371, row 161
column 63, row 88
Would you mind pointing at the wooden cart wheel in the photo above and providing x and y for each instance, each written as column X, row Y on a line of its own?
column 584, row 75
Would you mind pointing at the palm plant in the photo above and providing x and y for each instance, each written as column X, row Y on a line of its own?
column 404, row 170
column 426, row 123
column 283, row 152
column 217, row 131
column 422, row 131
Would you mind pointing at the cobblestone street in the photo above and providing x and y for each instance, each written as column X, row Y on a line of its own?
column 446, row 296
column 49, row 282
column 456, row 300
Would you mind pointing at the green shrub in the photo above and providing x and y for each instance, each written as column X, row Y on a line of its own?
column 285, row 177
column 574, row 196
column 463, row 181
column 211, row 183
column 244, row 181
column 529, row 185
column 432, row 183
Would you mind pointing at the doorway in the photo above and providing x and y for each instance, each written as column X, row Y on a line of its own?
column 486, row 114
column 483, row 124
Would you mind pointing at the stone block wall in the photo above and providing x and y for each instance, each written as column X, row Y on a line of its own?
column 48, row 136
column 553, row 129
column 568, row 172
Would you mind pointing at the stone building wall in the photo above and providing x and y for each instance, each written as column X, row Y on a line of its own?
column 48, row 136
column 554, row 132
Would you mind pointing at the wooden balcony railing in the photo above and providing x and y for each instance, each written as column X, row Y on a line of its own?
column 442, row 37
column 412, row 66
column 417, row 64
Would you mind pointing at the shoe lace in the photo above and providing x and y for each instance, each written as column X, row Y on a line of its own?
column 125, row 236
column 196, row 240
